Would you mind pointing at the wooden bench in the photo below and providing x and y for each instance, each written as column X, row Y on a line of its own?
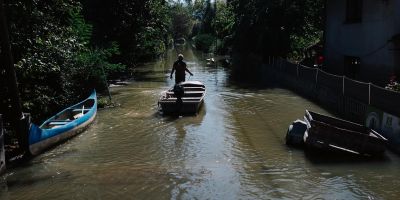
column 194, row 89
column 80, row 110
column 59, row 122
column 188, row 92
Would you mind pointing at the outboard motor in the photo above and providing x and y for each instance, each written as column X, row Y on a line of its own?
column 179, row 91
column 295, row 133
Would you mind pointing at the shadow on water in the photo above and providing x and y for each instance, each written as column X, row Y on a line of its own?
column 330, row 158
column 34, row 180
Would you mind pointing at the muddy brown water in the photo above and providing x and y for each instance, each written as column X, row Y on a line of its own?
column 233, row 149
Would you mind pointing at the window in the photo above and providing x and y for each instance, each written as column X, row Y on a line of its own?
column 353, row 11
column 351, row 66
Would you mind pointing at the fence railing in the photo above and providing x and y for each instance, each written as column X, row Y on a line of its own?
column 344, row 91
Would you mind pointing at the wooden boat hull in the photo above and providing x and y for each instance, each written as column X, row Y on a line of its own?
column 192, row 99
column 185, row 108
column 336, row 135
column 45, row 136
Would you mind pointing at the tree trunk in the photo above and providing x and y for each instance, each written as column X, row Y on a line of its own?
column 7, row 63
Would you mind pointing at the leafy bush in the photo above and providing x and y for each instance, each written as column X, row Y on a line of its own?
column 139, row 27
column 204, row 42
column 56, row 64
column 181, row 22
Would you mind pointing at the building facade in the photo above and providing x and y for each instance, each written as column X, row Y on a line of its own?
column 362, row 39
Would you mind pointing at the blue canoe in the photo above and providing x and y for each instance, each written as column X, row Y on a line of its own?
column 65, row 124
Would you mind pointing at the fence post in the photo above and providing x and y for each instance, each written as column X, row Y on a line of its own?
column 369, row 93
column 316, row 77
column 297, row 70
column 343, row 85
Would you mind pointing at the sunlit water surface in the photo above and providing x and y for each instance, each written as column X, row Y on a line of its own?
column 233, row 149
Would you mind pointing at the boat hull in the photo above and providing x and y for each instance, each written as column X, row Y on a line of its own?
column 184, row 108
column 41, row 146
column 334, row 135
column 192, row 99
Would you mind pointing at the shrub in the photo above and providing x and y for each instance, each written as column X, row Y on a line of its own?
column 204, row 42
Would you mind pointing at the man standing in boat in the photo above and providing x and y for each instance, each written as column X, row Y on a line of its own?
column 180, row 67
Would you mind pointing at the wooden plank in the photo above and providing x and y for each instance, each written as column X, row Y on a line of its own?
column 173, row 102
column 80, row 110
column 189, row 92
column 59, row 123
column 183, row 98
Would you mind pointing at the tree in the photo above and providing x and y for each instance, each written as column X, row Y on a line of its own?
column 139, row 27
column 274, row 28
column 56, row 64
column 224, row 20
column 182, row 22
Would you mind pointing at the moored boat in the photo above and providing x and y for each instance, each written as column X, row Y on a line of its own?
column 337, row 135
column 65, row 124
column 183, row 98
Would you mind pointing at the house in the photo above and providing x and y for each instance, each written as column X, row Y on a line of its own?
column 362, row 39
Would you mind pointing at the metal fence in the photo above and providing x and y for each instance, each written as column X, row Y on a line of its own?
column 344, row 95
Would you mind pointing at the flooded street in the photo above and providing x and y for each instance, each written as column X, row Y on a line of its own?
column 233, row 149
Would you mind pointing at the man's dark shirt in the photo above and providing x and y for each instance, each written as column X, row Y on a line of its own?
column 180, row 68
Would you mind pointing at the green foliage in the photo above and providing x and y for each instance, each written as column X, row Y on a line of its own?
column 102, row 103
column 150, row 44
column 182, row 21
column 55, row 62
column 139, row 27
column 216, row 19
column 224, row 20
column 204, row 42
column 274, row 28
column 209, row 15
column 198, row 9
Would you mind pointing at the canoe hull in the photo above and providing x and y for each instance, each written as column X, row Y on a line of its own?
column 41, row 146
column 54, row 130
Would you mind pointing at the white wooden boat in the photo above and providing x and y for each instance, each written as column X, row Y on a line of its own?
column 191, row 99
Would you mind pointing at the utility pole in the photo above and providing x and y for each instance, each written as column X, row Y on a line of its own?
column 17, row 119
